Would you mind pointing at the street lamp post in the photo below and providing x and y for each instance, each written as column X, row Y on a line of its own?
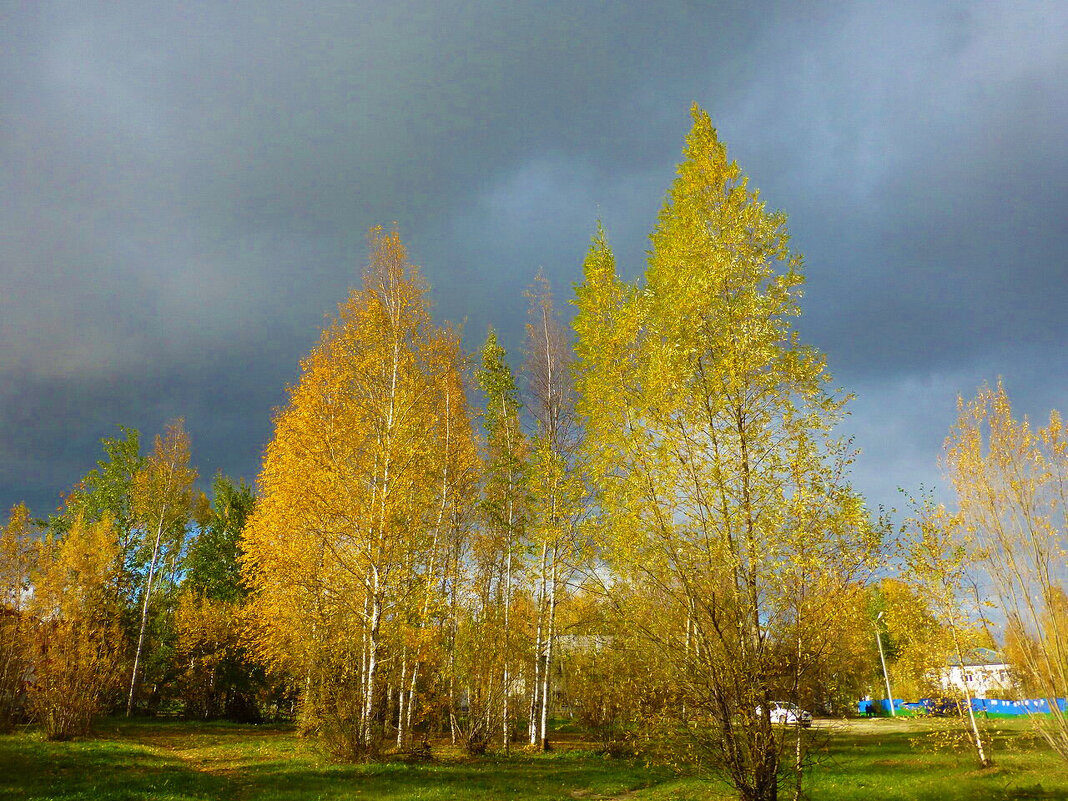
column 882, row 659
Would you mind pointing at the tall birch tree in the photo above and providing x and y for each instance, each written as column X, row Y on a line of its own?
column 939, row 560
column 710, row 446
column 352, row 500
column 161, row 500
column 454, row 477
column 1011, row 481
column 504, row 498
column 554, row 486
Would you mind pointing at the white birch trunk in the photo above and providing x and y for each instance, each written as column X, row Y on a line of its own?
column 402, row 716
column 372, row 664
column 546, row 695
column 506, row 678
column 976, row 737
column 144, row 613
column 535, row 692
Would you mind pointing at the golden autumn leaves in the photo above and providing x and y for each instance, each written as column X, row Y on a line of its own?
column 683, row 465
column 364, row 487
column 69, row 632
column 724, row 514
column 674, row 475
column 652, row 529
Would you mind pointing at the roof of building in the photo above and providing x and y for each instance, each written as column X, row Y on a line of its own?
column 979, row 657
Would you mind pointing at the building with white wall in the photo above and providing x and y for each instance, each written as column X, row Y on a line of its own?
column 985, row 674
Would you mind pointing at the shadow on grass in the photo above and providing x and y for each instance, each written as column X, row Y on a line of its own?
column 93, row 769
column 190, row 762
column 531, row 778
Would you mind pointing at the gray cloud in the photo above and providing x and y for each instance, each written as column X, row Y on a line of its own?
column 187, row 187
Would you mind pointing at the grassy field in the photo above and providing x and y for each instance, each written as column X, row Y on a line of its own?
column 926, row 759
column 883, row 759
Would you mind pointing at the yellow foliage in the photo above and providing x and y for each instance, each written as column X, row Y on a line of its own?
column 78, row 643
column 208, row 635
column 917, row 644
column 1011, row 481
column 720, row 484
column 16, row 563
column 357, row 492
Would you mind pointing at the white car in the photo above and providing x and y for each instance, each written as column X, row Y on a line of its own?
column 787, row 714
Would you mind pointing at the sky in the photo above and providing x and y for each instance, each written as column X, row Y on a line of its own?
column 186, row 190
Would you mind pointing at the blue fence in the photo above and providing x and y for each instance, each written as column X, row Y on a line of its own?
column 1037, row 705
column 1041, row 706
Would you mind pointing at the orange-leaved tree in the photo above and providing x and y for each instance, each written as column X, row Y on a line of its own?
column 17, row 554
column 78, row 648
column 357, row 488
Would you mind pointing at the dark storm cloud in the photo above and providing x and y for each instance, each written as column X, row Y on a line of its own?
column 187, row 187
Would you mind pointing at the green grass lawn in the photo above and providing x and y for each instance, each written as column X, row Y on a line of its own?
column 928, row 759
column 883, row 759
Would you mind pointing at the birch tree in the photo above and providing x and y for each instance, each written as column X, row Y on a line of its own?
column 938, row 561
column 504, row 498
column 351, row 500
column 455, row 480
column 710, row 446
column 161, row 497
column 554, row 486
column 1011, row 481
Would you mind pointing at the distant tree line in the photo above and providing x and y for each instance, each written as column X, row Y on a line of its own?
column 129, row 598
